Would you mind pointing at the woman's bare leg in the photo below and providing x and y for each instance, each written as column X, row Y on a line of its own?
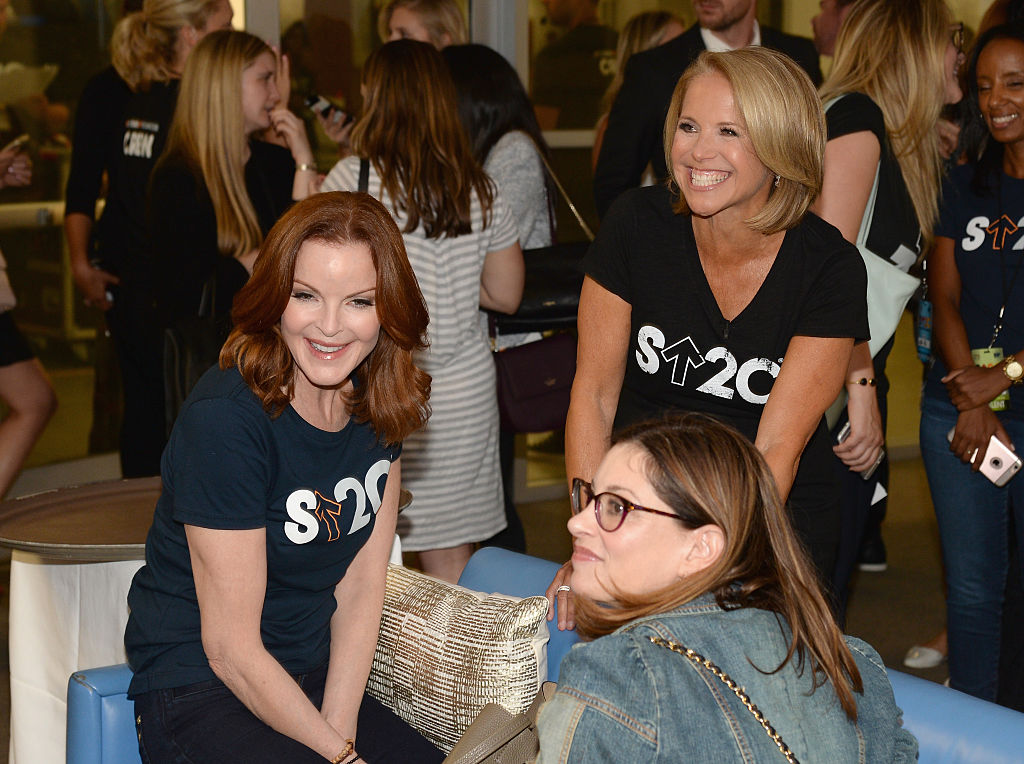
column 446, row 564
column 28, row 394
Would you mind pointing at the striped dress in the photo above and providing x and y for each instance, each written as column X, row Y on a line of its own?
column 451, row 465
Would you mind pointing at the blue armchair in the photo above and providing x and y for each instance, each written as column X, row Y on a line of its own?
column 950, row 726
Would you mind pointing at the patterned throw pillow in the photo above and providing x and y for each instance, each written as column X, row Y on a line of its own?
column 445, row 651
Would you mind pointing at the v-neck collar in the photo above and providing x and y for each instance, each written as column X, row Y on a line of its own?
column 706, row 295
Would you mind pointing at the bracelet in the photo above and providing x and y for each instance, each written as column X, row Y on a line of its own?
column 869, row 381
column 304, row 167
column 348, row 750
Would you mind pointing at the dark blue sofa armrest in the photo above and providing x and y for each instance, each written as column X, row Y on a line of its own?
column 498, row 570
column 101, row 719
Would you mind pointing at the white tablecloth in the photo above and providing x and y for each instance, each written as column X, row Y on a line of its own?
column 65, row 617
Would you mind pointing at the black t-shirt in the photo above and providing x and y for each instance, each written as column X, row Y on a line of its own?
column 573, row 73
column 684, row 355
column 182, row 227
column 122, row 133
column 895, row 232
column 988, row 235
column 230, row 466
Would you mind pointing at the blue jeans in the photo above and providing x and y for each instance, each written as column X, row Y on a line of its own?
column 973, row 518
column 204, row 723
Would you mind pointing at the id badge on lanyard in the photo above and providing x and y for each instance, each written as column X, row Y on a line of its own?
column 987, row 358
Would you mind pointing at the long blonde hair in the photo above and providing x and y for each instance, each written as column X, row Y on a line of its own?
column 709, row 474
column 208, row 132
column 411, row 131
column 143, row 47
column 894, row 52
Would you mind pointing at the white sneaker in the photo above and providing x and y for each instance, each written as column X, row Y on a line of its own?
column 920, row 657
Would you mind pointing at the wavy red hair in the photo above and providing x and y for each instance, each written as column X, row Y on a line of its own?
column 391, row 392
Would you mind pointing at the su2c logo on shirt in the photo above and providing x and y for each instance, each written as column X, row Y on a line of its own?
column 980, row 227
column 734, row 377
column 311, row 510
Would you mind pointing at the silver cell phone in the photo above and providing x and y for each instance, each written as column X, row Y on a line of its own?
column 844, row 433
column 1000, row 462
column 324, row 108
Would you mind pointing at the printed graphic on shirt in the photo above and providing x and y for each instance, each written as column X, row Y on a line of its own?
column 1001, row 233
column 346, row 513
column 726, row 376
column 139, row 137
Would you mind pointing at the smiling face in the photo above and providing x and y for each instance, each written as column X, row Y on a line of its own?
column 713, row 159
column 330, row 324
column 647, row 553
column 1001, row 89
column 259, row 92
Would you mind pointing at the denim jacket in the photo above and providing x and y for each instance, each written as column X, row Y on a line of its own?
column 623, row 699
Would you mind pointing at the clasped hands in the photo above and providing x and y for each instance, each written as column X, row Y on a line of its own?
column 970, row 389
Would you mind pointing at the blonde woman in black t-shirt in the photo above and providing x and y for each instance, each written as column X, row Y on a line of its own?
column 713, row 294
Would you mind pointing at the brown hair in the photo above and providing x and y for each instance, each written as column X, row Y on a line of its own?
column 777, row 102
column 144, row 44
column 411, row 131
column 391, row 392
column 709, row 474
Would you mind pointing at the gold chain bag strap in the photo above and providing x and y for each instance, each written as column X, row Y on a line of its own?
column 699, row 660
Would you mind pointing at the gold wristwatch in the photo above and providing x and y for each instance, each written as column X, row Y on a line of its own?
column 1013, row 370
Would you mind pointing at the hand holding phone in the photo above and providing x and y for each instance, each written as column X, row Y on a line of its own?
column 843, row 434
column 15, row 164
column 320, row 105
column 999, row 463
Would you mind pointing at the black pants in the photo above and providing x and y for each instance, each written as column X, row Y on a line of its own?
column 139, row 342
column 205, row 722
column 855, row 494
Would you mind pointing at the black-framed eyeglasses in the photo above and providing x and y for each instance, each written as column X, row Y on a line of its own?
column 609, row 509
column 956, row 36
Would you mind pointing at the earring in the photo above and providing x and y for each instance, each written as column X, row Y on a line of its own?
column 776, row 181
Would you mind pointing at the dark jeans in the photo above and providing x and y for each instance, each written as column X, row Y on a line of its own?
column 974, row 526
column 205, row 722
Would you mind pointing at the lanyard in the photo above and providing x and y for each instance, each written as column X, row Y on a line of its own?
column 1007, row 291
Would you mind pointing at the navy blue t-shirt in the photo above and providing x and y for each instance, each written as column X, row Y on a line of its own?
column 684, row 356
column 988, row 235
column 229, row 465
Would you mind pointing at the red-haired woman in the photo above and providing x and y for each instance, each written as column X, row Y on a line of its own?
column 254, row 621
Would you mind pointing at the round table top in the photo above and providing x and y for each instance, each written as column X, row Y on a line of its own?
column 97, row 522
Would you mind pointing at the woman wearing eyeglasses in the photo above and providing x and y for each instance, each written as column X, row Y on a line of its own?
column 702, row 607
